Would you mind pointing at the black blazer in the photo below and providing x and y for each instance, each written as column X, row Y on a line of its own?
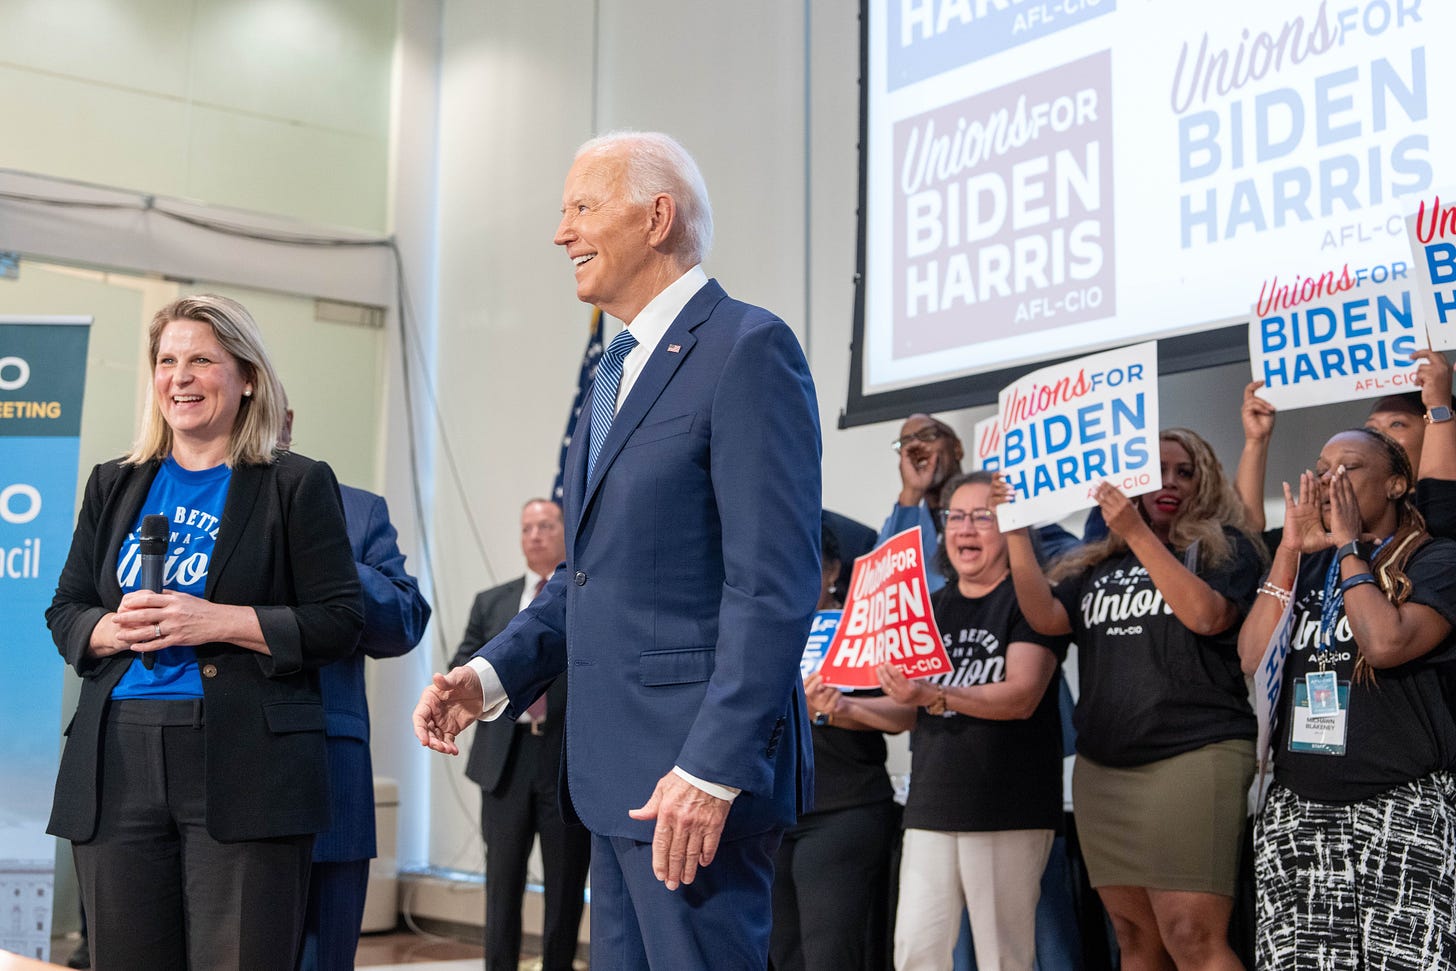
column 491, row 750
column 281, row 549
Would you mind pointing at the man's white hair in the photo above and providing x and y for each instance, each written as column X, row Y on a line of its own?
column 656, row 163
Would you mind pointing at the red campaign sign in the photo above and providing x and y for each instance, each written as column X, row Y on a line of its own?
column 886, row 618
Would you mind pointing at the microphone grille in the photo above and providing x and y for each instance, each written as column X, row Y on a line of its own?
column 155, row 533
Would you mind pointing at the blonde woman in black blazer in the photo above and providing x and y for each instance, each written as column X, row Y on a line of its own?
column 193, row 816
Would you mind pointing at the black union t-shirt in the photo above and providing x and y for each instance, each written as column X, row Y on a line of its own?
column 849, row 768
column 1150, row 687
column 979, row 774
column 1398, row 729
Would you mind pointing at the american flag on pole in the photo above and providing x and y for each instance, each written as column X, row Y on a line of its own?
column 589, row 360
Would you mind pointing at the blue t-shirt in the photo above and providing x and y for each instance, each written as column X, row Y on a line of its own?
column 192, row 503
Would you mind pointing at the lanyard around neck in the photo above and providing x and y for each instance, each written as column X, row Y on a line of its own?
column 1334, row 603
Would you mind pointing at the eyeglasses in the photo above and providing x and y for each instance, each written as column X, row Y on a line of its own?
column 979, row 518
column 926, row 435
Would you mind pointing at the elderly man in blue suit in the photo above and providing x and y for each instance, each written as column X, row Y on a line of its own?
column 395, row 615
column 691, row 573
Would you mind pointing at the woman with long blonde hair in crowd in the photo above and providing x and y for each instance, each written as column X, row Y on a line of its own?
column 1165, row 735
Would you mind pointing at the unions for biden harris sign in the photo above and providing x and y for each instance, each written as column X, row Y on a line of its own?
column 1335, row 334
column 1003, row 211
column 887, row 618
column 1070, row 426
column 1431, row 230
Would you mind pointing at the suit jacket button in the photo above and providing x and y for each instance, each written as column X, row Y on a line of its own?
column 580, row 578
column 209, row 670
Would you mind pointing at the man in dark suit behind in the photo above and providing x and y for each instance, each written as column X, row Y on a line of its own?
column 516, row 763
column 395, row 616
column 691, row 574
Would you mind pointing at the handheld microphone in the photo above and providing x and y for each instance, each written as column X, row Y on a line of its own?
column 153, row 556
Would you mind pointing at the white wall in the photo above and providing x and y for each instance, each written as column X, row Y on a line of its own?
column 277, row 106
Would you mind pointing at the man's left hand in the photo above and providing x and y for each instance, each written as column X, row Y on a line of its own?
column 689, row 824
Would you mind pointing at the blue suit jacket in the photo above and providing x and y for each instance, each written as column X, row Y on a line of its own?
column 691, row 574
column 395, row 615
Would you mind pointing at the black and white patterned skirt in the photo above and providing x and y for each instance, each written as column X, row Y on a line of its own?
column 1369, row 886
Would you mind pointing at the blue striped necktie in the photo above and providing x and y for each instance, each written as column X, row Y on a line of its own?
column 604, row 393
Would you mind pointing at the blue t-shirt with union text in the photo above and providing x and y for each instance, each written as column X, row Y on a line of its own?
column 192, row 503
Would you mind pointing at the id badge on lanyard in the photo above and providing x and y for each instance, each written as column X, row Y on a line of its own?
column 1321, row 704
column 1319, row 715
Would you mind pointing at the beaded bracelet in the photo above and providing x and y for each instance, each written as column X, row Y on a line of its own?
column 1278, row 593
column 1356, row 581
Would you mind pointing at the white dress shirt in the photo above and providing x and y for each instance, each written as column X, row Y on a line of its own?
column 648, row 327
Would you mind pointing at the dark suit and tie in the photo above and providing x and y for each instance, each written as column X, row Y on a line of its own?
column 517, row 764
column 691, row 574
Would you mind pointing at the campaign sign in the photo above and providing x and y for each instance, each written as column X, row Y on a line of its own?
column 1338, row 334
column 1432, row 233
column 887, row 618
column 821, row 633
column 1269, row 682
column 986, row 444
column 1068, row 427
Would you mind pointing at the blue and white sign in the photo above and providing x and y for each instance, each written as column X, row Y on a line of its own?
column 821, row 633
column 1432, row 233
column 1068, row 427
column 1336, row 334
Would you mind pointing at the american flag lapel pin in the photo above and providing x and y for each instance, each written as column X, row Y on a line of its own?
column 673, row 348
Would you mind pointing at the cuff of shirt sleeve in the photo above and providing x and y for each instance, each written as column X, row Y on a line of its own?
column 491, row 689
column 726, row 793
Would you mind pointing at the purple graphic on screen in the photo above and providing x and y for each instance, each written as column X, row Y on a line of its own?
column 1003, row 212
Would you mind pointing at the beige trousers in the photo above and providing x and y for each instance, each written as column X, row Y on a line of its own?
column 996, row 876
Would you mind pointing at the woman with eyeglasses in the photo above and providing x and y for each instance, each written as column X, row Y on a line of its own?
column 986, row 754
column 1165, row 735
column 1354, row 847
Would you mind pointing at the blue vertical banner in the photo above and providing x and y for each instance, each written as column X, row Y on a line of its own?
column 42, row 377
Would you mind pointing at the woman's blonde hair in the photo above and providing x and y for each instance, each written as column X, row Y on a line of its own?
column 253, row 439
column 1201, row 520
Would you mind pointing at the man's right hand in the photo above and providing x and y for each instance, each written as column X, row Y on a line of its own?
column 918, row 469
column 450, row 704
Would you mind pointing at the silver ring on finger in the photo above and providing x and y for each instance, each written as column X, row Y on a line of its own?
column 159, row 630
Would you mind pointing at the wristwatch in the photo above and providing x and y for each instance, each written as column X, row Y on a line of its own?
column 1437, row 414
column 1351, row 548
